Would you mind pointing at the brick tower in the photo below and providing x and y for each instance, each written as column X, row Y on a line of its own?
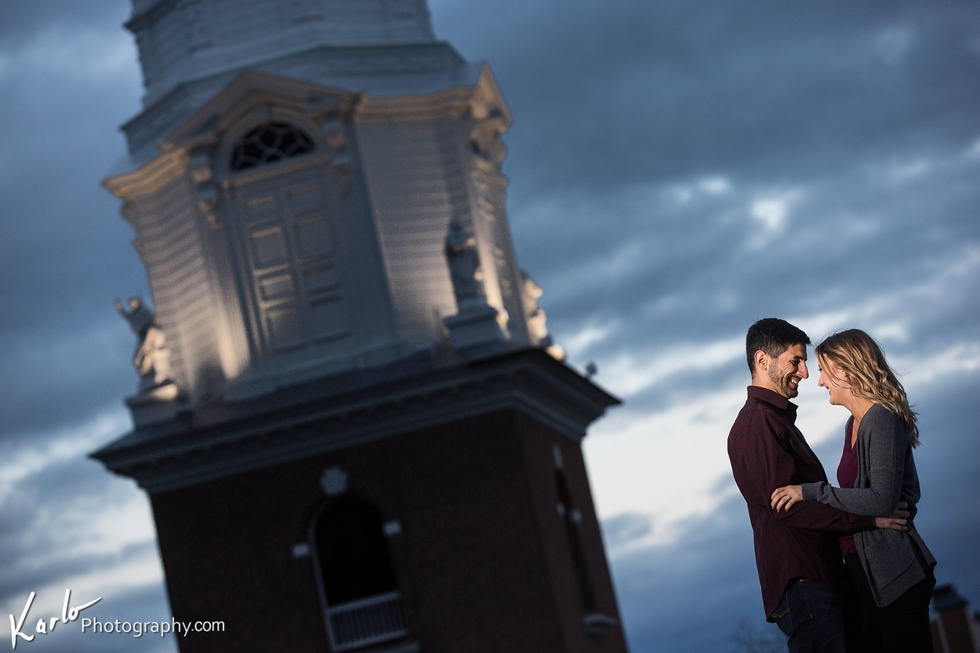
column 352, row 424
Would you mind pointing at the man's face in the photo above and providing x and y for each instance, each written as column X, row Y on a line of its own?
column 785, row 372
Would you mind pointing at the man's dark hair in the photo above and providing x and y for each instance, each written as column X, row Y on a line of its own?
column 773, row 336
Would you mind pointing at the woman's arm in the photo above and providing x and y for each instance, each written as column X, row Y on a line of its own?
column 886, row 445
column 784, row 497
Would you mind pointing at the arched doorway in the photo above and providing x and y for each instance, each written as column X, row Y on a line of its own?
column 356, row 576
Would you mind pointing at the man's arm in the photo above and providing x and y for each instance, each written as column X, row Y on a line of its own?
column 760, row 464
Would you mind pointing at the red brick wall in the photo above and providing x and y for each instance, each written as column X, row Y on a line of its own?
column 956, row 627
column 537, row 442
column 482, row 560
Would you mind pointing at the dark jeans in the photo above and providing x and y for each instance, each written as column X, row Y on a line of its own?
column 811, row 615
column 853, row 632
column 901, row 626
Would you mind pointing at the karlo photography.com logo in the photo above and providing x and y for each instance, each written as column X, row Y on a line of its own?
column 69, row 613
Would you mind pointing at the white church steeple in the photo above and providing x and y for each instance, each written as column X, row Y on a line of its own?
column 293, row 180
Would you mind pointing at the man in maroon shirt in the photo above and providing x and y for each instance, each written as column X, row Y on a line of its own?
column 797, row 553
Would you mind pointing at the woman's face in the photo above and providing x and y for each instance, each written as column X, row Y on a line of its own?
column 834, row 379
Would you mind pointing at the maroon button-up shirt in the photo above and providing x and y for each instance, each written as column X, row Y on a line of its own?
column 767, row 451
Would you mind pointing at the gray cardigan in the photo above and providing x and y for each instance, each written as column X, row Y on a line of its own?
column 886, row 475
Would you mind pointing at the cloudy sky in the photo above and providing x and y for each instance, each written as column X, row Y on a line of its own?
column 678, row 170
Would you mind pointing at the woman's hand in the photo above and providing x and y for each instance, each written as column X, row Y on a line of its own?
column 784, row 497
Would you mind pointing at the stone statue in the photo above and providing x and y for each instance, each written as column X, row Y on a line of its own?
column 464, row 266
column 152, row 358
column 534, row 314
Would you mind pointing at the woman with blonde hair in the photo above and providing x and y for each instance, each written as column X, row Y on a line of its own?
column 891, row 569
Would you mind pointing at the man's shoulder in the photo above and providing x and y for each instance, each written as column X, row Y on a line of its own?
column 754, row 410
column 755, row 421
column 752, row 420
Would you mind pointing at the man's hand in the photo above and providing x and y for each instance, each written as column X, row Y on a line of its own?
column 897, row 520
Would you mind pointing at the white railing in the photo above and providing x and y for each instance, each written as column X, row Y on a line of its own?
column 365, row 621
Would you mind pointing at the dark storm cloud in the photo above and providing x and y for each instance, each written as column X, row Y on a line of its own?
column 691, row 271
column 950, row 480
column 23, row 19
column 619, row 531
column 65, row 253
column 768, row 96
column 46, row 517
column 669, row 89
column 54, row 377
column 689, row 595
column 696, row 277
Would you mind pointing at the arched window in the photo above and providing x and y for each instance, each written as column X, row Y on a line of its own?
column 573, row 520
column 268, row 143
column 357, row 576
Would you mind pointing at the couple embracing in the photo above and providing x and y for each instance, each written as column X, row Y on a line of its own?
column 841, row 568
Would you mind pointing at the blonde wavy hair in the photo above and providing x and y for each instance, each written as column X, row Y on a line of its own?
column 860, row 357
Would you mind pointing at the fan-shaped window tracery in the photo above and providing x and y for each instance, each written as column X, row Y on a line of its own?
column 268, row 143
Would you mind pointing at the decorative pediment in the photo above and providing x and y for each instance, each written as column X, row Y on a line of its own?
column 252, row 93
column 250, row 97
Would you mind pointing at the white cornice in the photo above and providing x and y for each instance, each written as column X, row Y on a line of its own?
column 529, row 381
column 482, row 100
column 148, row 178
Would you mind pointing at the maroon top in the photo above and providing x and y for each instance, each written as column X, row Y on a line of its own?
column 847, row 476
column 767, row 451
